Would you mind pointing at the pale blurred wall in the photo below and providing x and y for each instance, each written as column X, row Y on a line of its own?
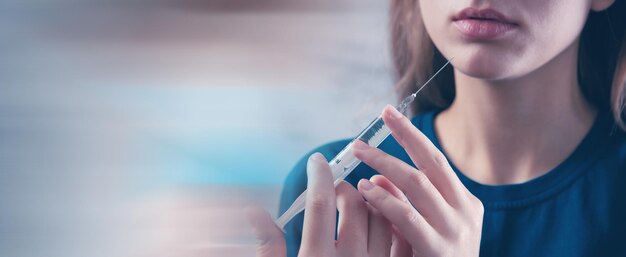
column 140, row 128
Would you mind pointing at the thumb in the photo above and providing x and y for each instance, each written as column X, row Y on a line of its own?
column 270, row 239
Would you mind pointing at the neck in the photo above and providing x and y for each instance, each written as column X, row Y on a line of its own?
column 510, row 131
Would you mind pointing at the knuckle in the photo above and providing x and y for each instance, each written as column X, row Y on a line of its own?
column 412, row 216
column 462, row 232
column 477, row 205
column 475, row 213
column 320, row 204
column 349, row 198
column 440, row 160
column 418, row 178
column 378, row 160
column 380, row 198
column 480, row 212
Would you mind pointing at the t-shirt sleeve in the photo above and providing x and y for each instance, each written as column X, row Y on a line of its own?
column 294, row 185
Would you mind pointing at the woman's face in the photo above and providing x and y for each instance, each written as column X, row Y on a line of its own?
column 497, row 40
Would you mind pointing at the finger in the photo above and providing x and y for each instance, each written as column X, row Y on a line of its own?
column 425, row 155
column 379, row 235
column 399, row 246
column 409, row 222
column 415, row 185
column 383, row 182
column 320, row 215
column 270, row 239
column 353, row 224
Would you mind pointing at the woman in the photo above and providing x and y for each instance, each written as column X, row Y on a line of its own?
column 519, row 149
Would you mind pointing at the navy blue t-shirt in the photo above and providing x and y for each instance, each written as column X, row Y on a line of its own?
column 576, row 209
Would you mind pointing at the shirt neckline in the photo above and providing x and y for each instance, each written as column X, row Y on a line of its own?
column 539, row 188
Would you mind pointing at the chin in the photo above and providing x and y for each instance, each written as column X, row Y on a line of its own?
column 486, row 66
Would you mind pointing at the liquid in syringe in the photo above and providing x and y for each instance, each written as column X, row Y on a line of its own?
column 345, row 162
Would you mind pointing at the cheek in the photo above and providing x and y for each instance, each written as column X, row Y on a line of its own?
column 556, row 26
column 434, row 16
column 547, row 28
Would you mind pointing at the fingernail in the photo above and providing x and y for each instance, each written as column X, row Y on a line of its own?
column 365, row 184
column 361, row 145
column 393, row 112
column 313, row 167
column 318, row 157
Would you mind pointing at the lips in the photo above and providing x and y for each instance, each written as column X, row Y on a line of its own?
column 483, row 24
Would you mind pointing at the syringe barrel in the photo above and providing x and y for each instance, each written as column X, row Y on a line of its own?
column 342, row 165
column 345, row 162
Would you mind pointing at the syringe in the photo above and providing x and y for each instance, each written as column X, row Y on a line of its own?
column 345, row 162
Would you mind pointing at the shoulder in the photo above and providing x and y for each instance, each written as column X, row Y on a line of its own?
column 620, row 144
column 615, row 150
column 611, row 141
column 607, row 155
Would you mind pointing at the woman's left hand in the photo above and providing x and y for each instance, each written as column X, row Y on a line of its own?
column 361, row 230
column 439, row 216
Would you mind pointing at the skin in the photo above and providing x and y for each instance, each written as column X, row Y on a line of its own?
column 362, row 230
column 428, row 208
column 518, row 99
column 440, row 216
column 519, row 104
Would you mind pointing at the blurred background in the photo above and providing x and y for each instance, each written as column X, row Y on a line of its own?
column 142, row 127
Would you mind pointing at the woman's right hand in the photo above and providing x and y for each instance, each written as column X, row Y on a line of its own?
column 362, row 230
column 439, row 216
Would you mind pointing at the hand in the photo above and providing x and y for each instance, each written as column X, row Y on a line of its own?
column 437, row 215
column 362, row 230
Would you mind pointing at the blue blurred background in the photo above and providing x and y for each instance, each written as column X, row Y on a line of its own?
column 141, row 128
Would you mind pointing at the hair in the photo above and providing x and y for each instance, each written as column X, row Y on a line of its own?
column 601, row 60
